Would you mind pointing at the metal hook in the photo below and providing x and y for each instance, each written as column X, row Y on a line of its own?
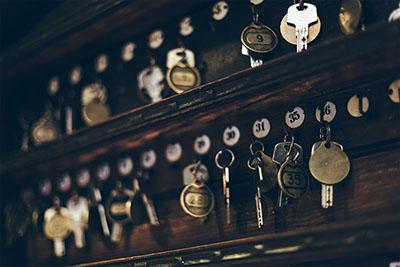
column 290, row 147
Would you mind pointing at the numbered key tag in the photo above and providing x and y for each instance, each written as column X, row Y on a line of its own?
column 202, row 144
column 185, row 26
column 259, row 38
column 79, row 210
column 83, row 178
column 394, row 90
column 45, row 187
column 75, row 75
column 156, row 39
column 328, row 112
column 358, row 106
column 125, row 166
column 64, row 183
column 195, row 172
column 182, row 77
column 295, row 118
column 292, row 178
column 128, row 51
column 231, row 135
column 148, row 159
column 220, row 10
column 103, row 172
column 53, row 86
column 151, row 83
column 197, row 200
column 261, row 128
column 173, row 152
column 101, row 63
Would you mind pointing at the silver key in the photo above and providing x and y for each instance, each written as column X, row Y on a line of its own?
column 302, row 18
column 148, row 203
column 224, row 159
column 253, row 62
column 97, row 200
column 79, row 209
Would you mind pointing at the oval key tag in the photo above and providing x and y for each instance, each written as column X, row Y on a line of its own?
column 293, row 179
column 185, row 26
column 357, row 106
column 295, row 117
column 261, row 128
column 394, row 91
column 231, row 135
column 101, row 63
column 75, row 75
column 125, row 166
column 64, row 183
column 45, row 187
column 156, row 39
column 202, row 144
column 182, row 77
column 259, row 38
column 83, row 178
column 128, row 51
column 197, row 200
column 148, row 159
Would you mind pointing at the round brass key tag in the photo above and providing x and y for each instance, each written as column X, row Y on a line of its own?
column 119, row 207
column 293, row 179
column 350, row 16
column 45, row 129
column 259, row 38
column 95, row 112
column 289, row 32
column 182, row 77
column 57, row 223
column 197, row 200
column 269, row 170
column 329, row 164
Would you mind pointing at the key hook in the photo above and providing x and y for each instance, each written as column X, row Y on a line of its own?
column 290, row 147
column 255, row 144
column 325, row 133
column 218, row 156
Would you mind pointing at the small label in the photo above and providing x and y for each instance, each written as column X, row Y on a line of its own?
column 220, row 10
column 125, row 166
column 54, row 85
column 329, row 112
column 357, row 105
column 103, row 172
column 148, row 159
column 64, row 182
column 101, row 63
column 156, row 38
column 75, row 75
column 185, row 26
column 261, row 128
column 173, row 152
column 45, row 187
column 83, row 178
column 295, row 118
column 202, row 144
column 128, row 51
column 394, row 90
column 231, row 135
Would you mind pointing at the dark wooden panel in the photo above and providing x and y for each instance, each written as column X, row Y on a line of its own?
column 355, row 200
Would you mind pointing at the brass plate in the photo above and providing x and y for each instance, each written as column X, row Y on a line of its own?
column 289, row 32
column 95, row 112
column 181, row 78
column 259, row 38
column 350, row 16
column 197, row 200
column 329, row 165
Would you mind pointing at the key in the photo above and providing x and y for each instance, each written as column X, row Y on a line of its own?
column 148, row 203
column 257, row 39
column 395, row 15
column 281, row 149
column 224, row 159
column 97, row 201
column 195, row 172
column 329, row 165
column 266, row 174
column 302, row 17
column 118, row 210
column 57, row 226
column 151, row 83
column 79, row 209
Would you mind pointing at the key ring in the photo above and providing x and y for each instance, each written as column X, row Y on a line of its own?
column 219, row 154
column 252, row 150
column 259, row 160
column 325, row 133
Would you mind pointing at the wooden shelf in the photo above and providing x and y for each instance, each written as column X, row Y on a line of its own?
column 351, row 240
column 351, row 60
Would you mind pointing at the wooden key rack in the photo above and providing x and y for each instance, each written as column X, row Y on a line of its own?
column 361, row 229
